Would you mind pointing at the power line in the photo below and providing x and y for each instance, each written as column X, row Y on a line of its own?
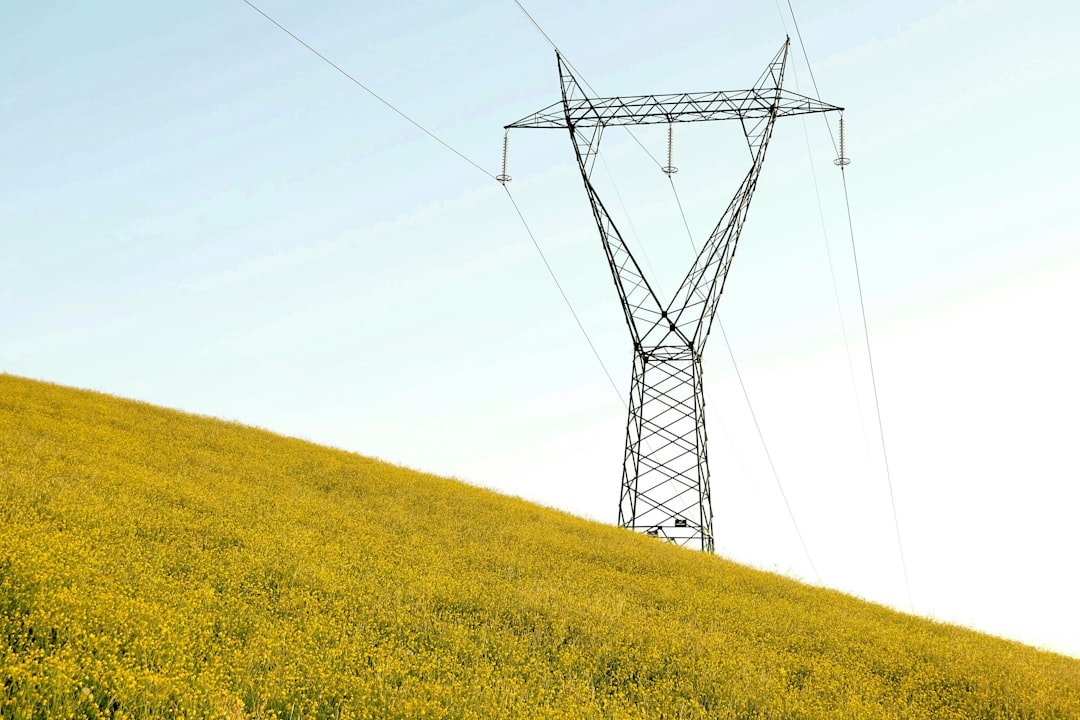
column 750, row 405
column 768, row 454
column 580, row 76
column 541, row 31
column 368, row 90
column 832, row 273
column 877, row 402
column 862, row 309
column 686, row 224
column 810, row 69
column 564, row 296
column 828, row 253
column 461, row 155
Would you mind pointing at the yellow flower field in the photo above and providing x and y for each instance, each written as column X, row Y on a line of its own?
column 157, row 564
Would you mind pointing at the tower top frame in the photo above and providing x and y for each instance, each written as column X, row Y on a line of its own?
column 756, row 103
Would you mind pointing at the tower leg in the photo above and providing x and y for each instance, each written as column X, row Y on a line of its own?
column 665, row 483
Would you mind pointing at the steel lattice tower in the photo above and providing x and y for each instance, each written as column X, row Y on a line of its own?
column 665, row 477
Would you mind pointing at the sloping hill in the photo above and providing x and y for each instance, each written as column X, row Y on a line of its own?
column 157, row 564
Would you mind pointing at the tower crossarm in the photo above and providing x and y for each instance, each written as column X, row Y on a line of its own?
column 744, row 105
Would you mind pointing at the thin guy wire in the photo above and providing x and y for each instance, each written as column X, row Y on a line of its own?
column 862, row 309
column 877, row 403
column 824, row 229
column 368, row 90
column 832, row 270
column 578, row 74
column 466, row 159
column 564, row 297
column 768, row 455
column 809, row 68
column 746, row 396
column 689, row 235
column 540, row 29
column 783, row 23
column 828, row 254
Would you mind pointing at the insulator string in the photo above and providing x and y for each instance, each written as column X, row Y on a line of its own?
column 843, row 159
column 504, row 177
column 670, row 169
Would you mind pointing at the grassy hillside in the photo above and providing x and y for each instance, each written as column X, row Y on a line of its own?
column 156, row 564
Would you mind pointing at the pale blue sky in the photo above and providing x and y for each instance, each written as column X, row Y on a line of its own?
column 197, row 212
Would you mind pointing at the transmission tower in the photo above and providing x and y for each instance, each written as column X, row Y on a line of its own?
column 665, row 476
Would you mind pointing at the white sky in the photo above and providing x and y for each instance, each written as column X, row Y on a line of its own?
column 196, row 212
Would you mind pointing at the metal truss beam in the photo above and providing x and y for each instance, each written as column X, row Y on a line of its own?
column 683, row 107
